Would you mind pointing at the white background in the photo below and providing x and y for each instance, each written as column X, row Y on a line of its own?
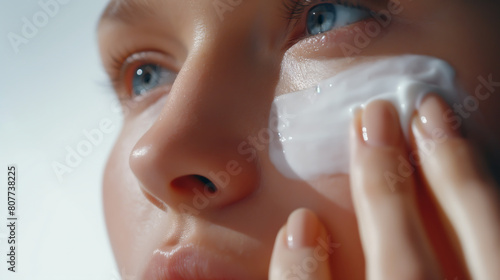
column 52, row 90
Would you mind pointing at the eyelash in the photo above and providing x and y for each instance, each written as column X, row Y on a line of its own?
column 117, row 60
column 295, row 8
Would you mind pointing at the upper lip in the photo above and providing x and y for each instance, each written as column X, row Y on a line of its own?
column 190, row 262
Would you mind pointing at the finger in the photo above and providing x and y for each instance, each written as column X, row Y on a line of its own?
column 383, row 189
column 302, row 249
column 462, row 187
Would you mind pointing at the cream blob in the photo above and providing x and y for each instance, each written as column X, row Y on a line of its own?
column 312, row 125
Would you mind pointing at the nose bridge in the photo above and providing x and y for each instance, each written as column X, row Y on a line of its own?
column 222, row 96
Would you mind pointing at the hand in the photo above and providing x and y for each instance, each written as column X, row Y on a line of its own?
column 386, row 192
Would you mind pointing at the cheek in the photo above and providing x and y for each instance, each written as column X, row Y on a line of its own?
column 298, row 73
column 130, row 218
column 477, row 114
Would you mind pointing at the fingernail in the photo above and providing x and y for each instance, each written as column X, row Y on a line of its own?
column 302, row 229
column 431, row 120
column 380, row 124
column 355, row 110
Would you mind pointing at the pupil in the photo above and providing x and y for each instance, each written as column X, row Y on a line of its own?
column 147, row 78
column 321, row 19
column 150, row 76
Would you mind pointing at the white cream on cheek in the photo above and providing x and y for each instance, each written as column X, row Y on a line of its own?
column 312, row 125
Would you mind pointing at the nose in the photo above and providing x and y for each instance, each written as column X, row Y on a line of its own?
column 196, row 156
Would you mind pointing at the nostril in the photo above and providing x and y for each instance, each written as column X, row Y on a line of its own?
column 187, row 183
column 207, row 183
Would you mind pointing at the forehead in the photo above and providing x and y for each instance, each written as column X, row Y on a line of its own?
column 126, row 10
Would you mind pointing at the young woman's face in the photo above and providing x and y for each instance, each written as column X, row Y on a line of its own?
column 190, row 175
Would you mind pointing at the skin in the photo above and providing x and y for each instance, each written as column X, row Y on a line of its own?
column 195, row 125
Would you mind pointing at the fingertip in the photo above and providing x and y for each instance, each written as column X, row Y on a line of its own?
column 432, row 120
column 355, row 136
column 298, row 250
column 381, row 126
column 303, row 228
column 355, row 127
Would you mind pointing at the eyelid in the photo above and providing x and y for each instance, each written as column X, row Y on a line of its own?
column 297, row 34
column 296, row 8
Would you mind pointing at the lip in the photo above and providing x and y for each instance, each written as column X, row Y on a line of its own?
column 192, row 263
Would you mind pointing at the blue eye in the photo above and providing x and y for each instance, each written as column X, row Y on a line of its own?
column 149, row 76
column 325, row 17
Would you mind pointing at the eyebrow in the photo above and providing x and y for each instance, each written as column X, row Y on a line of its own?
column 127, row 11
